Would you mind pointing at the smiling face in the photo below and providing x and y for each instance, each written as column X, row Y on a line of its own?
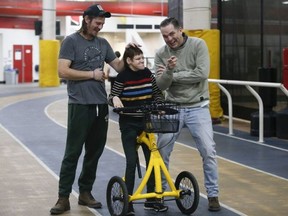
column 94, row 26
column 172, row 36
column 136, row 63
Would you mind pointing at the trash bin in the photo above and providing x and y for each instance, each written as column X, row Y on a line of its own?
column 10, row 76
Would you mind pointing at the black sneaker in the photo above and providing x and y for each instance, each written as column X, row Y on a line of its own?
column 213, row 204
column 130, row 210
column 155, row 204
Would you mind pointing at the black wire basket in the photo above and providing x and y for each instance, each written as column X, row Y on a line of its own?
column 165, row 119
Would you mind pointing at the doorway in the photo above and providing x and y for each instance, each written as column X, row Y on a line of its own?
column 22, row 62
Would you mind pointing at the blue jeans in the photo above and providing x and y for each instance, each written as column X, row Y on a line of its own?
column 198, row 121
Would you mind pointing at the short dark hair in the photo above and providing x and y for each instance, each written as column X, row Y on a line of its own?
column 130, row 52
column 170, row 20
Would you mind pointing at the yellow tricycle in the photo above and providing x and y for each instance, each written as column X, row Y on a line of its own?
column 159, row 118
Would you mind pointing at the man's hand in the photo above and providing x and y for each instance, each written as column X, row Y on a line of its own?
column 171, row 62
column 160, row 70
column 99, row 75
column 133, row 45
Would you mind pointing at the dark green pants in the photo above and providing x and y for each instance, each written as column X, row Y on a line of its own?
column 130, row 128
column 87, row 125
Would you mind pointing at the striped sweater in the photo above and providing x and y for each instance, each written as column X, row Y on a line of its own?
column 135, row 88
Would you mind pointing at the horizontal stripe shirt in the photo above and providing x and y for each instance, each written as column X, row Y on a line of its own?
column 136, row 88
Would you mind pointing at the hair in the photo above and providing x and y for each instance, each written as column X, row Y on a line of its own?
column 130, row 52
column 170, row 20
column 84, row 28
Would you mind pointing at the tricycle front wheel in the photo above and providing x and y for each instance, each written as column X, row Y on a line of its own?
column 189, row 192
column 117, row 196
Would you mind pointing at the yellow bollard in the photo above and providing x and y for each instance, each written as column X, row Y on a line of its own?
column 48, row 66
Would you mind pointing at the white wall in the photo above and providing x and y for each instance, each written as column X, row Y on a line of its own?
column 1, row 56
column 151, row 39
column 12, row 37
column 111, row 23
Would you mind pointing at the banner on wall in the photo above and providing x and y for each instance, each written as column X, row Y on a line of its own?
column 212, row 39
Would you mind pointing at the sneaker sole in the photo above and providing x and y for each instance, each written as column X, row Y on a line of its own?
column 157, row 210
column 57, row 212
column 214, row 209
column 148, row 208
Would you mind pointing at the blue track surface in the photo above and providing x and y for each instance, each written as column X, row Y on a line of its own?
column 27, row 121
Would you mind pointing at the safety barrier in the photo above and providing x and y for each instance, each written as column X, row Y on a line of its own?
column 248, row 85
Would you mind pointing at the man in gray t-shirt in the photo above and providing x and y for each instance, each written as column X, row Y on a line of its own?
column 87, row 56
column 81, row 61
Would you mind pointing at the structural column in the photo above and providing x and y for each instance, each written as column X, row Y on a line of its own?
column 196, row 14
column 49, row 46
column 49, row 19
column 197, row 23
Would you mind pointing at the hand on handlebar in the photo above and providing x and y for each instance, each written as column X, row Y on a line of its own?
column 145, row 109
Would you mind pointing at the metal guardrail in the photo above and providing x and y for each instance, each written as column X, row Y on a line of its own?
column 248, row 85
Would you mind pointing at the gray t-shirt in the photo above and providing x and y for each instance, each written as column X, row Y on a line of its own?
column 86, row 55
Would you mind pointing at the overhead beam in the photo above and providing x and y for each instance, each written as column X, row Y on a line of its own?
column 72, row 8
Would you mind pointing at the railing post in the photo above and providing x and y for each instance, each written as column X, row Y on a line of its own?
column 230, row 108
column 248, row 85
column 261, row 112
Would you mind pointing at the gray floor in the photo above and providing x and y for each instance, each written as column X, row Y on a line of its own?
column 253, row 176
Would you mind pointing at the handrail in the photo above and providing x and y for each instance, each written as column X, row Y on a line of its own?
column 248, row 85
column 230, row 108
column 261, row 112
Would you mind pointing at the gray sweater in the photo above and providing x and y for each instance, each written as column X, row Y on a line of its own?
column 187, row 83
